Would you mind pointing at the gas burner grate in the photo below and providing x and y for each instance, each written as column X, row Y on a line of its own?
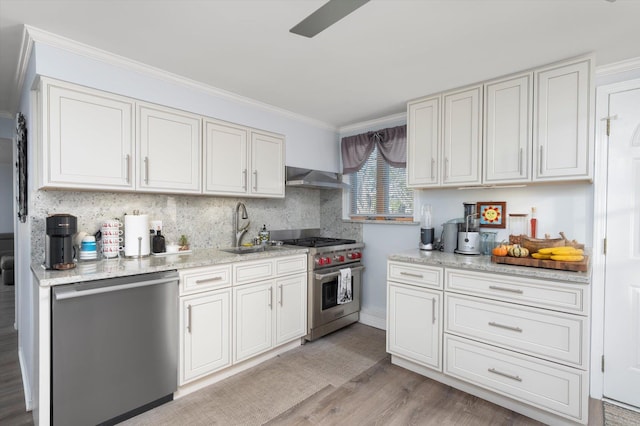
column 318, row 242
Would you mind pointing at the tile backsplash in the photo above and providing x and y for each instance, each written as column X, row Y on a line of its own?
column 206, row 221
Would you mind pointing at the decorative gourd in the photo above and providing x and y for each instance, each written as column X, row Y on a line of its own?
column 517, row 251
column 500, row 250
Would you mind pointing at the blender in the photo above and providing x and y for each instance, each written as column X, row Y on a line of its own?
column 426, row 228
column 469, row 231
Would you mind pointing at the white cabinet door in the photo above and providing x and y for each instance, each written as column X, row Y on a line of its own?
column 291, row 308
column 508, row 105
column 87, row 138
column 253, row 319
column 462, row 136
column 563, row 142
column 169, row 145
column 226, row 150
column 267, row 165
column 423, row 142
column 414, row 324
column 205, row 334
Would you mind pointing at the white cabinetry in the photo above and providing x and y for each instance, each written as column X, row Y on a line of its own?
column 242, row 161
column 519, row 342
column 563, row 139
column 205, row 321
column 270, row 304
column 87, row 138
column 423, row 151
column 462, row 136
column 169, row 147
column 414, row 313
column 507, row 129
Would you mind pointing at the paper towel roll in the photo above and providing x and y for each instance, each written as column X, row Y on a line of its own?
column 136, row 235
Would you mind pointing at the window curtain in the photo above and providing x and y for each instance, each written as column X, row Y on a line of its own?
column 391, row 142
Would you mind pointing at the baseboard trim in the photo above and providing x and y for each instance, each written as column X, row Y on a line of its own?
column 373, row 321
column 28, row 401
column 621, row 404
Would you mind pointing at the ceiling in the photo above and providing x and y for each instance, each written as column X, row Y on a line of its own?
column 366, row 66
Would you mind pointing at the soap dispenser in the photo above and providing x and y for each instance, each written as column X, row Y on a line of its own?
column 159, row 243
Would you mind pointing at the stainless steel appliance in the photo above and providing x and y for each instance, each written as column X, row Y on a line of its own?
column 328, row 257
column 469, row 231
column 58, row 248
column 114, row 348
column 426, row 228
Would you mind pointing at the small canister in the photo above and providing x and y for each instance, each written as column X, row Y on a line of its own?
column 264, row 235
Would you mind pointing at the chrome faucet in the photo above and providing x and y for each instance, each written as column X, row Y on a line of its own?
column 240, row 231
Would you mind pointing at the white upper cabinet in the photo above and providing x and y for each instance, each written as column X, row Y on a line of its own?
column 87, row 138
column 169, row 147
column 242, row 161
column 507, row 128
column 267, row 164
column 423, row 148
column 563, row 141
column 226, row 149
column 462, row 135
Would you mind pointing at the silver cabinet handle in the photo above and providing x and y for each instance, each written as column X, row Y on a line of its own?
column 500, row 373
column 189, row 319
column 146, row 170
column 71, row 293
column 409, row 274
column 507, row 327
column 433, row 310
column 510, row 290
column 520, row 162
column 540, row 160
column 446, row 168
column 335, row 274
column 270, row 297
column 208, row 280
column 127, row 160
column 244, row 179
column 255, row 180
column 433, row 167
column 281, row 295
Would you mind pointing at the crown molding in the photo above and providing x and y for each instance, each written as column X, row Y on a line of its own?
column 367, row 125
column 618, row 67
column 36, row 35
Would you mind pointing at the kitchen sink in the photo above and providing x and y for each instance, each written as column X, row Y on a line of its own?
column 250, row 249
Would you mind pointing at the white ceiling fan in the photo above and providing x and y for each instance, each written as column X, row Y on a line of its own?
column 330, row 13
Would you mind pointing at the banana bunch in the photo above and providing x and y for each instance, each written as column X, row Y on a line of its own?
column 565, row 254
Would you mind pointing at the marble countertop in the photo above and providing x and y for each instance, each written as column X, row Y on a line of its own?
column 120, row 267
column 483, row 263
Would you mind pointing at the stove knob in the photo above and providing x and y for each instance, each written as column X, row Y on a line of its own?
column 320, row 261
column 352, row 255
column 327, row 260
column 339, row 258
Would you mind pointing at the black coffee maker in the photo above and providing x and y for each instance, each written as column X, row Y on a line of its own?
column 58, row 249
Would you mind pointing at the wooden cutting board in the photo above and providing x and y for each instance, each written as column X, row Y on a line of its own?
column 581, row 266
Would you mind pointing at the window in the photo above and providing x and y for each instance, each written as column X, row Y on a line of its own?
column 379, row 189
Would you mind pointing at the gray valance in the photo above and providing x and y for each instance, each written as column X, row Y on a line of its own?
column 391, row 142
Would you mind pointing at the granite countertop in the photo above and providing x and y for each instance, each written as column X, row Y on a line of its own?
column 119, row 267
column 484, row 264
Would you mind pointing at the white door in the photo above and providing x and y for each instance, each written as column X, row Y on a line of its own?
column 291, row 308
column 225, row 158
column 423, row 142
column 267, row 165
column 253, row 319
column 622, row 285
column 169, row 143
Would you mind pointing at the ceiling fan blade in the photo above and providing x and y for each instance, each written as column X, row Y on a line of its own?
column 327, row 15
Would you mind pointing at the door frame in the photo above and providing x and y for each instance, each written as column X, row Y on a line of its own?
column 598, row 258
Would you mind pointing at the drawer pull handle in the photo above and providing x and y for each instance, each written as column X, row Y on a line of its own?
column 508, row 327
column 409, row 274
column 510, row 290
column 208, row 280
column 500, row 373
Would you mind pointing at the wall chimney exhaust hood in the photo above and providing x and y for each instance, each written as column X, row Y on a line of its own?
column 314, row 179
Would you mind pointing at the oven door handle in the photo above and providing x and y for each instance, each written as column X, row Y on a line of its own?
column 335, row 274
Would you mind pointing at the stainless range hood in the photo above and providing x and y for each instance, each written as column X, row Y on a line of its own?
column 314, row 179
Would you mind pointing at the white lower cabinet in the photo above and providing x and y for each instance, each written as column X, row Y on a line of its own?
column 230, row 313
column 205, row 334
column 519, row 342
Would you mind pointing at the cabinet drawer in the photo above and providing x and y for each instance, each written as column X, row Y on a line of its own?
column 418, row 275
column 202, row 279
column 291, row 265
column 543, row 294
column 546, row 334
column 546, row 385
column 246, row 272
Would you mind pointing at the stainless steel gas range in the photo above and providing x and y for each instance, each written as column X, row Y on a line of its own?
column 334, row 282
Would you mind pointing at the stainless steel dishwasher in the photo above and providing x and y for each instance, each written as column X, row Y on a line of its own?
column 114, row 348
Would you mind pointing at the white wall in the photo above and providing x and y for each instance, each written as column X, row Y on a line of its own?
column 6, row 194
